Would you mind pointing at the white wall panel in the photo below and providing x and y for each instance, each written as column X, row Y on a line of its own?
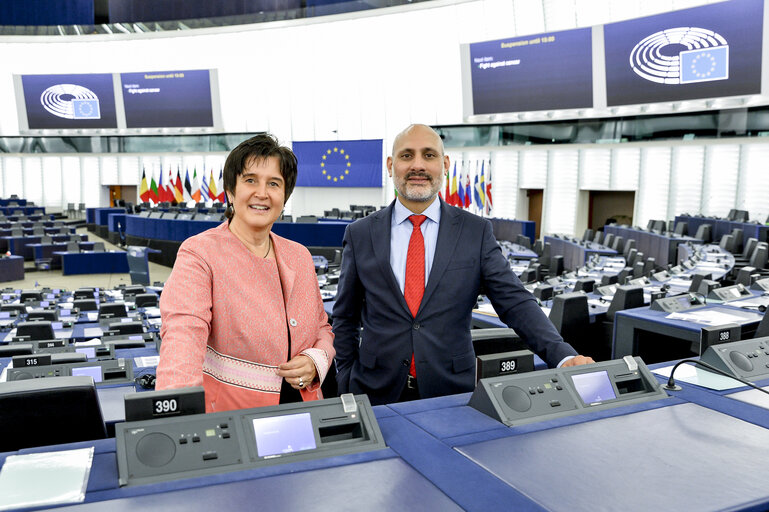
column 654, row 187
column 625, row 166
column 13, row 176
column 560, row 207
column 529, row 17
column 595, row 169
column 90, row 184
column 533, row 170
column 688, row 168
column 753, row 189
column 129, row 171
column 52, row 187
column 719, row 190
column 70, row 182
column 108, row 171
column 559, row 14
column 504, row 190
column 33, row 179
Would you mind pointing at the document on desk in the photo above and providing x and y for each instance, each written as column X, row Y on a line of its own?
column 699, row 377
column 751, row 303
column 43, row 479
column 146, row 361
column 92, row 332
column 708, row 317
column 152, row 312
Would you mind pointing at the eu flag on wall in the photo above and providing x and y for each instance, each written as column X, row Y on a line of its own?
column 705, row 65
column 339, row 163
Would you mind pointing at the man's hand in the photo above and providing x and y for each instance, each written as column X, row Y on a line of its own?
column 299, row 372
column 577, row 360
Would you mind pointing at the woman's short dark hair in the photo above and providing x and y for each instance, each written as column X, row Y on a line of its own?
column 259, row 147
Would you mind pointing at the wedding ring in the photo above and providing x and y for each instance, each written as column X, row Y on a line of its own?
column 301, row 382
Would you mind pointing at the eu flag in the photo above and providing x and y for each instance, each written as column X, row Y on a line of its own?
column 339, row 163
column 86, row 109
column 705, row 64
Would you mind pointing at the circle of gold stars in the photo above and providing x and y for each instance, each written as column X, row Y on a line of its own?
column 707, row 73
column 345, row 168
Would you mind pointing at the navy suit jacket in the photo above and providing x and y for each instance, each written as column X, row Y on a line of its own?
column 375, row 359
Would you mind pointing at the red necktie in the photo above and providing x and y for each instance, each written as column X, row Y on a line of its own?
column 414, row 286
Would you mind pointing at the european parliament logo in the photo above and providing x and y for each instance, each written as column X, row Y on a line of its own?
column 343, row 163
column 70, row 101
column 706, row 58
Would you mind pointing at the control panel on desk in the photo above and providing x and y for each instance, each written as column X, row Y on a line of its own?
column 748, row 359
column 537, row 396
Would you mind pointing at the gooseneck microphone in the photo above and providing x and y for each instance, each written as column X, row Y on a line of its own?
column 671, row 385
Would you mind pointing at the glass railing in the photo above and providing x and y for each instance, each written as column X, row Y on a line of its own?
column 140, row 27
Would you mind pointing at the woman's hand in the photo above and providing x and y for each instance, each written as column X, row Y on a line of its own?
column 299, row 372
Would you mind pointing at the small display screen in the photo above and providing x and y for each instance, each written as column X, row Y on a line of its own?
column 594, row 387
column 278, row 435
column 90, row 371
column 89, row 352
column 5, row 314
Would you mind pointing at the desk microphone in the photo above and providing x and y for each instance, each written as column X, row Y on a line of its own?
column 759, row 307
column 671, row 385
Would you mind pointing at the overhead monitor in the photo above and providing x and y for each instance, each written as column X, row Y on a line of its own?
column 537, row 72
column 704, row 52
column 167, row 99
column 84, row 101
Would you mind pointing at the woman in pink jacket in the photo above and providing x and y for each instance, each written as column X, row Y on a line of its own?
column 242, row 313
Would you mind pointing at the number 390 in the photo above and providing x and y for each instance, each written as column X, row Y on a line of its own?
column 165, row 406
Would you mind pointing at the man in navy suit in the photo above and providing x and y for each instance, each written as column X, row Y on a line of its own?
column 401, row 355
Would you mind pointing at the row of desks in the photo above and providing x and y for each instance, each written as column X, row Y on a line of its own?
column 696, row 450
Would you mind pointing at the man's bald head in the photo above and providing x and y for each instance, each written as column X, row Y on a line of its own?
column 418, row 128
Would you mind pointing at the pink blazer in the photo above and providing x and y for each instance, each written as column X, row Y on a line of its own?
column 225, row 320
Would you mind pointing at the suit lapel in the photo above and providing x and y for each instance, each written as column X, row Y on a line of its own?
column 448, row 236
column 380, row 242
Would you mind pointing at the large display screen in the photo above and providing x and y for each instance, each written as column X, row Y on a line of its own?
column 594, row 387
column 276, row 435
column 69, row 101
column 703, row 52
column 539, row 72
column 167, row 99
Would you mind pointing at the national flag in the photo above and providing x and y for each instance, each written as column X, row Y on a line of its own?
column 477, row 195
column 144, row 190
column 482, row 190
column 489, row 206
column 187, row 186
column 178, row 189
column 204, row 196
column 212, row 187
column 460, row 192
column 454, row 194
column 342, row 163
column 468, row 191
column 171, row 187
column 220, row 187
column 161, row 188
column 154, row 193
column 195, row 194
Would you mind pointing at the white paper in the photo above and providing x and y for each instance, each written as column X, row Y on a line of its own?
column 92, row 316
column 699, row 377
column 42, row 479
column 708, row 317
column 148, row 361
column 92, row 332
column 152, row 312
